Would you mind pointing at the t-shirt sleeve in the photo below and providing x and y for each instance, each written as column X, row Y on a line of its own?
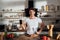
column 39, row 20
column 26, row 20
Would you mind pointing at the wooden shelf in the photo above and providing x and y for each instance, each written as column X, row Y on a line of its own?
column 50, row 18
column 40, row 17
column 48, row 11
column 11, row 12
column 11, row 18
column 46, row 17
column 8, row 18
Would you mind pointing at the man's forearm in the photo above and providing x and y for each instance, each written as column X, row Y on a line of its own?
column 40, row 30
column 42, row 26
column 23, row 26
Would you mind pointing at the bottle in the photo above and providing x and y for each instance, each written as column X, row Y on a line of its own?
column 42, row 8
column 46, row 8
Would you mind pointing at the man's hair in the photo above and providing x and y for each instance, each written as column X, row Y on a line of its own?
column 32, row 9
column 28, row 9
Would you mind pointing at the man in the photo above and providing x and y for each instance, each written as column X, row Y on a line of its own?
column 32, row 23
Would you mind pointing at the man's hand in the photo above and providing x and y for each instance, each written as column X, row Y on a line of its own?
column 37, row 33
column 34, row 35
column 42, row 26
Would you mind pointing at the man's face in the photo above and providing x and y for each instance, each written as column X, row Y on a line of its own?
column 31, row 12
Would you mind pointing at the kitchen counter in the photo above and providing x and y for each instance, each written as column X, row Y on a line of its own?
column 16, row 30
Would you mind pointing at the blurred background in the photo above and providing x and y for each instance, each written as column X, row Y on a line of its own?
column 13, row 12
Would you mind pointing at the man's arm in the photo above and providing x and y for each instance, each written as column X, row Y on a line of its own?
column 24, row 25
column 42, row 26
column 58, row 36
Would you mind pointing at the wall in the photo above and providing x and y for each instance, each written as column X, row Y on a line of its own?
column 22, row 4
column 56, row 3
column 48, row 20
column 15, row 5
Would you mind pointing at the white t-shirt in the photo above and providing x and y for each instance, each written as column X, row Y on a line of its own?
column 32, row 25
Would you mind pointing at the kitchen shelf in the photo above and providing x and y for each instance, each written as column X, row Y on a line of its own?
column 48, row 18
column 40, row 17
column 11, row 18
column 48, row 11
column 11, row 12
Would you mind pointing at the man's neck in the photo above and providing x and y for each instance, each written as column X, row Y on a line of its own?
column 32, row 17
